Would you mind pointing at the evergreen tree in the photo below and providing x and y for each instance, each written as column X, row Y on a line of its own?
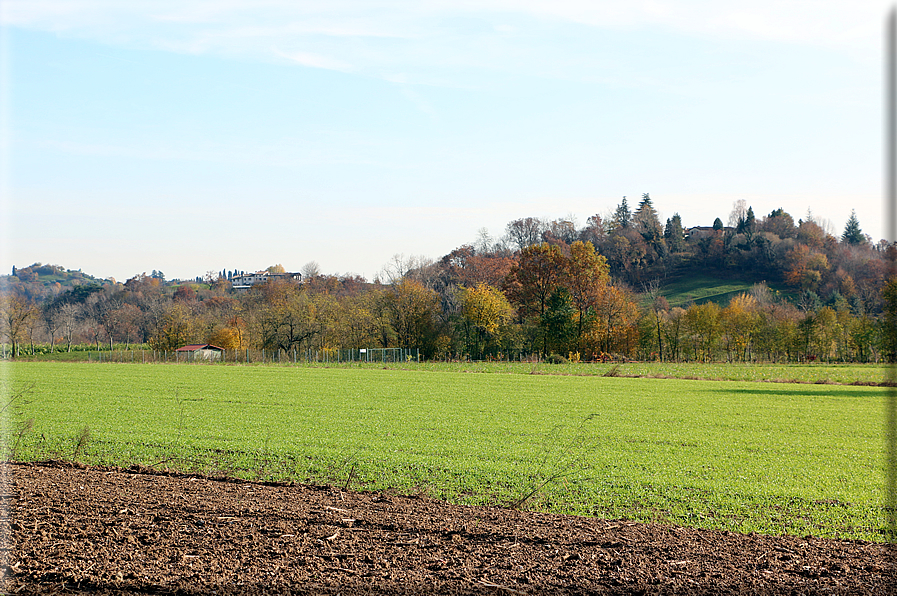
column 674, row 234
column 853, row 235
column 646, row 220
column 647, row 224
column 557, row 322
column 747, row 225
column 780, row 223
column 622, row 216
column 717, row 224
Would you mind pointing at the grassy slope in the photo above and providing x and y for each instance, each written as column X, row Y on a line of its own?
column 684, row 290
column 800, row 459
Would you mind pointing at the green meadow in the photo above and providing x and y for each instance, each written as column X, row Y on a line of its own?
column 739, row 455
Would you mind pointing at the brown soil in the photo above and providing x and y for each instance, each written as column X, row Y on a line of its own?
column 104, row 530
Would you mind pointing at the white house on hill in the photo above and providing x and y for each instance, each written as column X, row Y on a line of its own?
column 247, row 280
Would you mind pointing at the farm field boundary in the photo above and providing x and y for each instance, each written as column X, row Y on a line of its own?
column 822, row 373
column 801, row 459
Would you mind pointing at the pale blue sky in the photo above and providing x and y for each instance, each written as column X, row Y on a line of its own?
column 192, row 136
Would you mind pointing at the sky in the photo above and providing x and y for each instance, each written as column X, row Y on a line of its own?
column 192, row 136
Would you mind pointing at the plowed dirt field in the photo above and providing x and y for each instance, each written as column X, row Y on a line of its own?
column 74, row 529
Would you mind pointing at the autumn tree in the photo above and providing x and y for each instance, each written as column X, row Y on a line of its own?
column 862, row 334
column 627, row 254
column 739, row 321
column 359, row 321
column 486, row 312
column 562, row 229
column 540, row 269
column 776, row 333
column 822, row 342
column 172, row 328
column 780, row 223
column 595, row 231
column 286, row 316
column 614, row 328
column 185, row 293
column 125, row 319
column 811, row 234
column 703, row 325
column 673, row 328
column 411, row 309
column 233, row 336
column 587, row 275
column 805, row 267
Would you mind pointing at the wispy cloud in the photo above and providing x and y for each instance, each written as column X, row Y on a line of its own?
column 314, row 60
column 397, row 36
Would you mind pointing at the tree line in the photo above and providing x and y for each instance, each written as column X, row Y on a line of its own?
column 545, row 287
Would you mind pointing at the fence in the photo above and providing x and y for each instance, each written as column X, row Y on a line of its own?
column 386, row 355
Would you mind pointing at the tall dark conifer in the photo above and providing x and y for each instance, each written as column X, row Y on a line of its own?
column 853, row 235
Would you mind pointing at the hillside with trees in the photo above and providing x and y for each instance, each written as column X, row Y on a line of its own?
column 610, row 289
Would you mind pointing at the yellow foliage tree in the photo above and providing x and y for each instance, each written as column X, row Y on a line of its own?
column 739, row 321
column 702, row 323
column 614, row 329
column 486, row 311
column 231, row 336
column 587, row 277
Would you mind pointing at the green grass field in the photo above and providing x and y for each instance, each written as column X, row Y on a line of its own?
column 700, row 289
column 716, row 371
column 737, row 455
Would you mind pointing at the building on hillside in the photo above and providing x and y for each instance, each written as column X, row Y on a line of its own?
column 699, row 232
column 201, row 352
column 243, row 282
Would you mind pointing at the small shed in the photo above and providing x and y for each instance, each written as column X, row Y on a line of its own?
column 201, row 352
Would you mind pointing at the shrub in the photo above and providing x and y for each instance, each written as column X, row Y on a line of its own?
column 556, row 359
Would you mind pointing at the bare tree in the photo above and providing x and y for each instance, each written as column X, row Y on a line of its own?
column 738, row 214
column 484, row 241
column 400, row 267
column 52, row 322
column 563, row 229
column 310, row 270
column 70, row 316
column 18, row 315
column 525, row 232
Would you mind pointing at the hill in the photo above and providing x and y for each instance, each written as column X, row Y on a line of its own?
column 697, row 288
